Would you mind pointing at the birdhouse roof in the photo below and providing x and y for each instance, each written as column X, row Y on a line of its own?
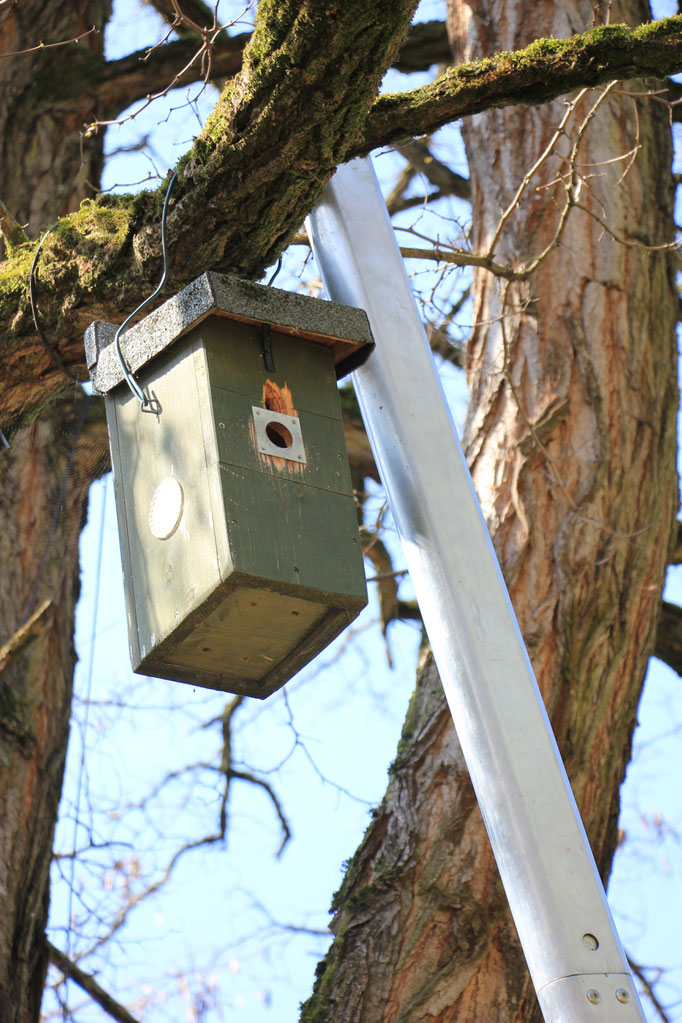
column 341, row 328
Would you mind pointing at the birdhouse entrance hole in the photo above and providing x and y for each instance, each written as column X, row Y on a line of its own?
column 279, row 435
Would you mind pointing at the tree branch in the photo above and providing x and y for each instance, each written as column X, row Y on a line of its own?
column 88, row 983
column 260, row 164
column 195, row 10
column 447, row 181
column 668, row 646
column 676, row 553
column 426, row 44
column 546, row 69
column 119, row 83
column 648, row 990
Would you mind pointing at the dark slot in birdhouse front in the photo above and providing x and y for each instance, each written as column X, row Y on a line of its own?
column 237, row 523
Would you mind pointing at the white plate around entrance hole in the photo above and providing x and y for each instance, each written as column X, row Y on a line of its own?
column 279, row 435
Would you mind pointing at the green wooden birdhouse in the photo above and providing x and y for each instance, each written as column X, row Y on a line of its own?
column 238, row 529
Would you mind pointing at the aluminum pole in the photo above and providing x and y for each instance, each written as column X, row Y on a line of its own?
column 571, row 946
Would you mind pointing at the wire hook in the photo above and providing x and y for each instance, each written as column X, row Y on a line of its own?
column 148, row 403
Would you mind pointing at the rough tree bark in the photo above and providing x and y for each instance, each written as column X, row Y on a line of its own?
column 44, row 173
column 46, row 167
column 571, row 441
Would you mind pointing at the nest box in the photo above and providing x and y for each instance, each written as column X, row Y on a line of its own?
column 238, row 528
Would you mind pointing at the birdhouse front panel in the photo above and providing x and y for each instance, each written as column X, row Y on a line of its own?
column 238, row 526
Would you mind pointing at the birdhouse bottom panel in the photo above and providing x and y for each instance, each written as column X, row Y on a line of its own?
column 262, row 624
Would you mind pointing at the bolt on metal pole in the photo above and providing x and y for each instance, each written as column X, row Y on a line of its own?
column 571, row 946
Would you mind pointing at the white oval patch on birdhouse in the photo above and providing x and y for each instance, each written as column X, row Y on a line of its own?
column 165, row 509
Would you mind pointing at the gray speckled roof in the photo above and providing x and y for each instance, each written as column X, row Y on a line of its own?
column 345, row 329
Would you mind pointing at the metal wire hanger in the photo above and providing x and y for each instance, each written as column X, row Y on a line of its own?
column 148, row 402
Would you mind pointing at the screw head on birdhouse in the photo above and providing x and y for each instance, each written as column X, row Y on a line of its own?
column 237, row 523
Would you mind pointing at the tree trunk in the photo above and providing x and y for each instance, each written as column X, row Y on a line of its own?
column 44, row 482
column 47, row 166
column 571, row 440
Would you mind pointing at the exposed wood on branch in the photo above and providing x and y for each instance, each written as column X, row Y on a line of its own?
column 28, row 631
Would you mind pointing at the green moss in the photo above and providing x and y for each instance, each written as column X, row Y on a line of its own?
column 14, row 275
column 543, row 70
column 316, row 1008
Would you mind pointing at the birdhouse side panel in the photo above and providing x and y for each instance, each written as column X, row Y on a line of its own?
column 165, row 486
column 123, row 529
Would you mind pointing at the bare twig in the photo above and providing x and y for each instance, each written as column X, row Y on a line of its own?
column 648, row 990
column 549, row 148
column 253, row 780
column 88, row 983
column 50, row 46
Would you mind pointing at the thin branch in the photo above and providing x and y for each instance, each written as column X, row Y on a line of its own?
column 119, row 83
column 253, row 780
column 648, row 990
column 532, row 171
column 448, row 182
column 631, row 243
column 396, row 200
column 460, row 257
column 50, row 46
column 88, row 983
column 193, row 13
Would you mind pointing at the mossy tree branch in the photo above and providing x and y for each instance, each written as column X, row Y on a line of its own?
column 260, row 164
column 542, row 71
